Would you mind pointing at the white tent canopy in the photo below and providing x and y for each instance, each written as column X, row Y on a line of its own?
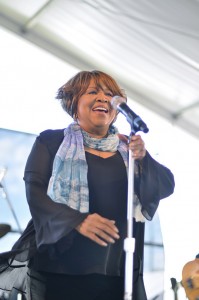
column 151, row 47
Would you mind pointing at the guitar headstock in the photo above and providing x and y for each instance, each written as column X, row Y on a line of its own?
column 190, row 279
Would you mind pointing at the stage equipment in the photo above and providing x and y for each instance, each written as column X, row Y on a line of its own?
column 5, row 196
column 175, row 287
column 4, row 229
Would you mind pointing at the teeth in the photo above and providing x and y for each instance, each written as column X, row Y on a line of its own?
column 101, row 109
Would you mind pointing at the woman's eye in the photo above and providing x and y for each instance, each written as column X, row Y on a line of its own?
column 109, row 94
column 92, row 92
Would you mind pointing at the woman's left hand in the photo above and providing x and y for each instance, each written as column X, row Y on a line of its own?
column 136, row 145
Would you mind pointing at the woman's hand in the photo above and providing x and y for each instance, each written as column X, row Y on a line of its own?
column 136, row 145
column 98, row 229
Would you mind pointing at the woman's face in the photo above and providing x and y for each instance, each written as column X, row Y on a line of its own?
column 94, row 111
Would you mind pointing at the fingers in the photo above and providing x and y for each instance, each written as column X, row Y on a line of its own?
column 138, row 147
column 99, row 229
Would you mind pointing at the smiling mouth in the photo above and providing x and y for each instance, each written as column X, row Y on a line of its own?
column 100, row 109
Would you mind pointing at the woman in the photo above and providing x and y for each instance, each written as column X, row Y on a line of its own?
column 76, row 187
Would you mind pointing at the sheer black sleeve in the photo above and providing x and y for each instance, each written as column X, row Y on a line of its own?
column 155, row 183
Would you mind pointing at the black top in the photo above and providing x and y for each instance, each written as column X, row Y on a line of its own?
column 107, row 181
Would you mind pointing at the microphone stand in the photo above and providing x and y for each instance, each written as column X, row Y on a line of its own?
column 136, row 124
column 129, row 242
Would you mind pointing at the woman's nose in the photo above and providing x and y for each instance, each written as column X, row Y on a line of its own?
column 103, row 100
column 101, row 97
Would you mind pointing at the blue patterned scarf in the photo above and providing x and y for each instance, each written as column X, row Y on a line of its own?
column 68, row 183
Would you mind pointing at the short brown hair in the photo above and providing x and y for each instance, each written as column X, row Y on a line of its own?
column 71, row 91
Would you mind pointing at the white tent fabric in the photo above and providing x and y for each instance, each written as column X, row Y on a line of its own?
column 151, row 47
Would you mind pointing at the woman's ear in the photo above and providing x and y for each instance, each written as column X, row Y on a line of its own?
column 75, row 117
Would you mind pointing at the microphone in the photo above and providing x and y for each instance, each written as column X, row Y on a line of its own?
column 134, row 120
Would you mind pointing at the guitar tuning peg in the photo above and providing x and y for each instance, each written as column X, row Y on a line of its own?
column 189, row 283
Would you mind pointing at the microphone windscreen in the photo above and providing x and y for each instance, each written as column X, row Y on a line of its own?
column 117, row 100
